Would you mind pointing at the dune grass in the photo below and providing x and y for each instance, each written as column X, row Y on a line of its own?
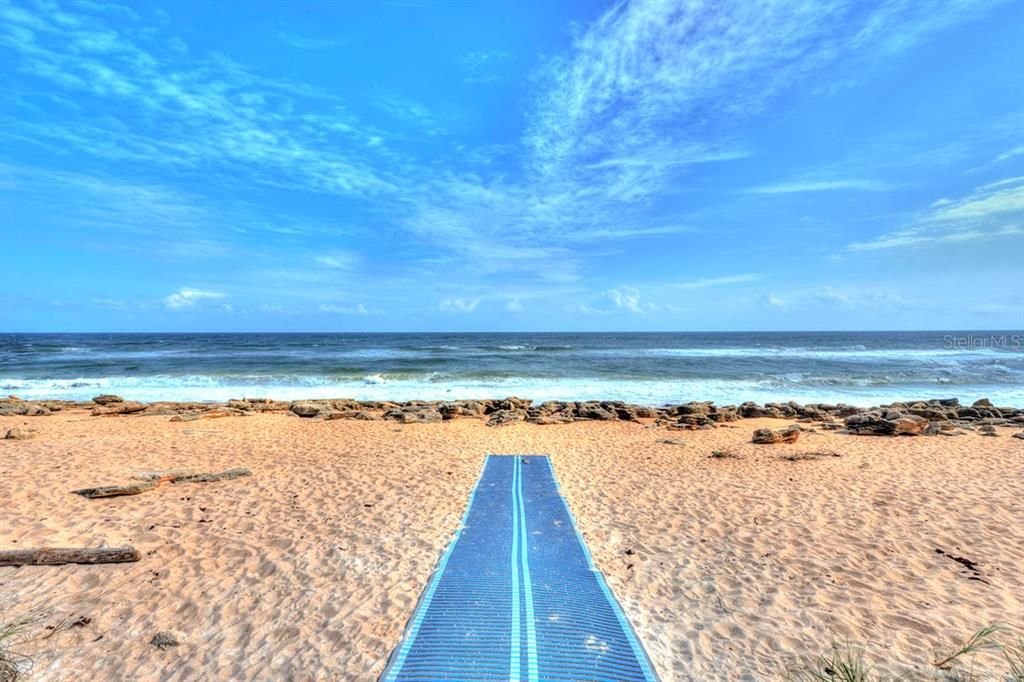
column 843, row 664
column 847, row 664
column 14, row 665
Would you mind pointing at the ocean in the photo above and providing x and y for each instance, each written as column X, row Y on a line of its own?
column 860, row 368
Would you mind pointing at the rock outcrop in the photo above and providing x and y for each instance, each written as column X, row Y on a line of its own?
column 888, row 422
column 790, row 434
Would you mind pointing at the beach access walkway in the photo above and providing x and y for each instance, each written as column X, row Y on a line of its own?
column 516, row 595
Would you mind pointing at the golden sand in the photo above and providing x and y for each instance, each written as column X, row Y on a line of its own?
column 730, row 568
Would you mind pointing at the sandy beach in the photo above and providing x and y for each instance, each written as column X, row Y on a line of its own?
column 730, row 567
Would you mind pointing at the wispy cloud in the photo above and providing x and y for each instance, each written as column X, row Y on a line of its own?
column 458, row 305
column 485, row 66
column 337, row 260
column 187, row 297
column 309, row 43
column 829, row 297
column 823, row 186
column 207, row 111
column 991, row 211
column 357, row 309
column 709, row 282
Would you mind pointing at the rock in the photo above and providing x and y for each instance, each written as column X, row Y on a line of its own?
column 305, row 408
column 13, row 408
column 988, row 430
column 18, row 433
column 888, row 423
column 167, row 639
column 414, row 414
column 129, row 408
column 595, row 412
column 626, row 413
column 36, row 411
column 984, row 402
column 789, row 434
column 512, row 403
column 107, row 398
column 695, row 420
column 504, row 417
column 240, row 404
column 549, row 419
column 670, row 441
column 724, row 414
column 753, row 410
column 1019, row 434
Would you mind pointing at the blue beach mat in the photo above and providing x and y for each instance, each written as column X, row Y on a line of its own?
column 516, row 595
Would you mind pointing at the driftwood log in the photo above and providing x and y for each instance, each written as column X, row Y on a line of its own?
column 210, row 478
column 152, row 479
column 117, row 490
column 54, row 556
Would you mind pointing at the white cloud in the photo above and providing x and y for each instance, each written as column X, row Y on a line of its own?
column 628, row 299
column 831, row 298
column 514, row 306
column 714, row 281
column 186, row 298
column 307, row 43
column 458, row 305
column 991, row 211
column 358, row 309
column 338, row 260
column 485, row 66
column 1016, row 151
column 823, row 186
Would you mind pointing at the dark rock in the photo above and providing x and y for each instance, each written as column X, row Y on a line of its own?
column 107, row 399
column 505, row 417
column 168, row 639
column 626, row 413
column 1019, row 434
column 595, row 412
column 18, row 433
column 768, row 437
column 305, row 408
column 889, row 422
column 548, row 419
column 987, row 430
column 984, row 402
column 414, row 414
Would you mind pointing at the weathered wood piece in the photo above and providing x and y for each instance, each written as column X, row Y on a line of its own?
column 152, row 479
column 117, row 490
column 209, row 478
column 165, row 475
column 54, row 556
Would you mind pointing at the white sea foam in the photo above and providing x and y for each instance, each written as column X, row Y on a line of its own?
column 441, row 387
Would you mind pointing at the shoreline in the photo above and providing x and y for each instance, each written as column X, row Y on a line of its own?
column 915, row 417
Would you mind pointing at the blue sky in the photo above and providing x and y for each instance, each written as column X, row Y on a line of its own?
column 427, row 165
